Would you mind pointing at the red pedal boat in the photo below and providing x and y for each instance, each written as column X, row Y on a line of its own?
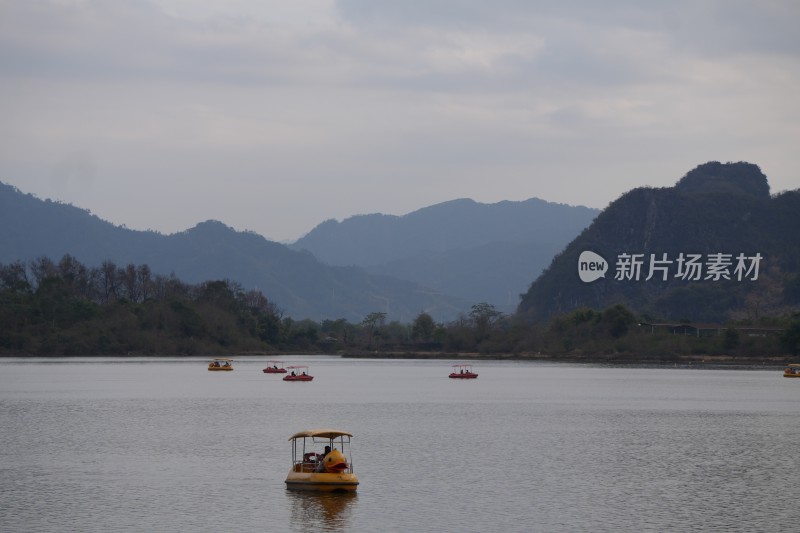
column 298, row 373
column 463, row 371
column 274, row 367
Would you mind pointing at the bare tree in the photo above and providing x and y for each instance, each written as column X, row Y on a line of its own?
column 43, row 268
column 109, row 281
column 77, row 277
column 14, row 276
column 145, row 280
column 129, row 278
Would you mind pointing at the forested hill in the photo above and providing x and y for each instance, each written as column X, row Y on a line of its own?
column 716, row 246
column 299, row 284
column 478, row 252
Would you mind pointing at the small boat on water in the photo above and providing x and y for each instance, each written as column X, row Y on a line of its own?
column 274, row 367
column 792, row 371
column 221, row 364
column 297, row 373
column 315, row 468
column 463, row 371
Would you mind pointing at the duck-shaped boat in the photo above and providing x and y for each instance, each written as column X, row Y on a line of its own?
column 329, row 470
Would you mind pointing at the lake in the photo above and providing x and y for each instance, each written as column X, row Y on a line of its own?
column 145, row 444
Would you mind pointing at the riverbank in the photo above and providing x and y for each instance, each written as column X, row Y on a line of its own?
column 697, row 361
column 685, row 361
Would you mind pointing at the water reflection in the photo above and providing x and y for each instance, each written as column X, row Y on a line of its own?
column 314, row 511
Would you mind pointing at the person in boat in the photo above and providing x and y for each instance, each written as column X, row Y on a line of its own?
column 293, row 373
column 321, row 460
column 304, row 373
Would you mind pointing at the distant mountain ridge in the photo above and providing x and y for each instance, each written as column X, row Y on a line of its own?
column 478, row 252
column 376, row 239
column 444, row 258
column 714, row 209
column 299, row 284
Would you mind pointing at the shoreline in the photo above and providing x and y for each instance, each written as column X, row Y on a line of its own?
column 694, row 361
column 678, row 361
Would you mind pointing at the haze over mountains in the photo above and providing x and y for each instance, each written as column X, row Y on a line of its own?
column 442, row 261
column 480, row 252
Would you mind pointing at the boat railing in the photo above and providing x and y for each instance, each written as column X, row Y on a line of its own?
column 301, row 465
column 306, row 459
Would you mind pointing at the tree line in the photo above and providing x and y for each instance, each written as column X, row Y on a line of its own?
column 68, row 308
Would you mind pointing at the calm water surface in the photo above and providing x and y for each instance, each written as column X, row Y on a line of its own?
column 164, row 445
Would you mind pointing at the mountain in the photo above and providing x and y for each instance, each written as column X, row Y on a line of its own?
column 477, row 252
column 299, row 284
column 714, row 247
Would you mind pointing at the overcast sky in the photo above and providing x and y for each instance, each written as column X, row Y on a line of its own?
column 273, row 116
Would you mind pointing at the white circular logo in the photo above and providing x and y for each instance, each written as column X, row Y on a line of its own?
column 591, row 267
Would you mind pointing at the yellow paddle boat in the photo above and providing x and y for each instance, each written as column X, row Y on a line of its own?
column 318, row 468
column 221, row 365
column 792, row 371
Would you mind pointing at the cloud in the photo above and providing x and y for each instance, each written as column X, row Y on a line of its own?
column 301, row 111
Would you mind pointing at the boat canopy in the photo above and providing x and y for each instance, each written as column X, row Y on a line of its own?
column 323, row 433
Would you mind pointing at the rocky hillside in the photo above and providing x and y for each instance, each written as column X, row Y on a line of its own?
column 715, row 246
